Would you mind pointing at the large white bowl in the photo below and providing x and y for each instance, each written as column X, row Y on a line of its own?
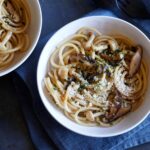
column 34, row 34
column 106, row 25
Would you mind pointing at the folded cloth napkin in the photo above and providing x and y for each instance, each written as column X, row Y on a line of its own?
column 45, row 132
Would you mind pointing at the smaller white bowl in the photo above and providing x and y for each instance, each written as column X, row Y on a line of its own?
column 34, row 32
column 106, row 25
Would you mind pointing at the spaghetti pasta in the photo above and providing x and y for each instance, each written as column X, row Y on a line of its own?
column 14, row 21
column 89, row 78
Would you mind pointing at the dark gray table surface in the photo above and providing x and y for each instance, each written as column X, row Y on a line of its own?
column 13, row 131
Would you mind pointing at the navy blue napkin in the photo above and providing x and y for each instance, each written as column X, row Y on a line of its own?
column 45, row 132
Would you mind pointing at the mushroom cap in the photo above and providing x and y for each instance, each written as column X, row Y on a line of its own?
column 136, row 61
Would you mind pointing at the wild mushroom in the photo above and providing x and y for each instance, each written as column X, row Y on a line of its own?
column 89, row 116
column 123, row 111
column 100, row 47
column 86, row 60
column 63, row 73
column 113, row 45
column 113, row 60
column 106, row 57
column 112, row 113
column 114, row 108
column 11, row 10
column 117, row 110
column 135, row 61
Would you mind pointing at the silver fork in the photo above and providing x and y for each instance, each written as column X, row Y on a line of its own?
column 135, row 8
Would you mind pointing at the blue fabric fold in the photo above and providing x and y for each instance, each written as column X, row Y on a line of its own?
column 60, row 136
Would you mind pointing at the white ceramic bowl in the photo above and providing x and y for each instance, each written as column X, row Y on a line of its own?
column 106, row 25
column 34, row 34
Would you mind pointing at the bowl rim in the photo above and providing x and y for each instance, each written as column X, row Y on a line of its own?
column 42, row 95
column 21, row 61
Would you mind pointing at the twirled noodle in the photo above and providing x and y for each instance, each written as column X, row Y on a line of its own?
column 89, row 78
column 14, row 20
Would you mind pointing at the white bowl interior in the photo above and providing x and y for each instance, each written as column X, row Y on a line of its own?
column 34, row 33
column 106, row 25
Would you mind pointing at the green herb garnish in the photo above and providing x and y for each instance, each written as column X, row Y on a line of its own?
column 82, row 87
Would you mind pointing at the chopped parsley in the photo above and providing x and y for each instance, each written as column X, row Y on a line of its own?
column 82, row 87
column 117, row 51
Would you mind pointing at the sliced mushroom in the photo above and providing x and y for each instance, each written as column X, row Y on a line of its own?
column 117, row 110
column 11, row 10
column 86, row 60
column 100, row 48
column 135, row 61
column 90, row 116
column 111, row 114
column 79, row 58
column 63, row 73
column 113, row 110
column 122, row 111
column 113, row 59
column 117, row 113
column 113, row 45
column 106, row 57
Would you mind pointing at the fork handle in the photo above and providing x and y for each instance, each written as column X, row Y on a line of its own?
column 139, row 26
